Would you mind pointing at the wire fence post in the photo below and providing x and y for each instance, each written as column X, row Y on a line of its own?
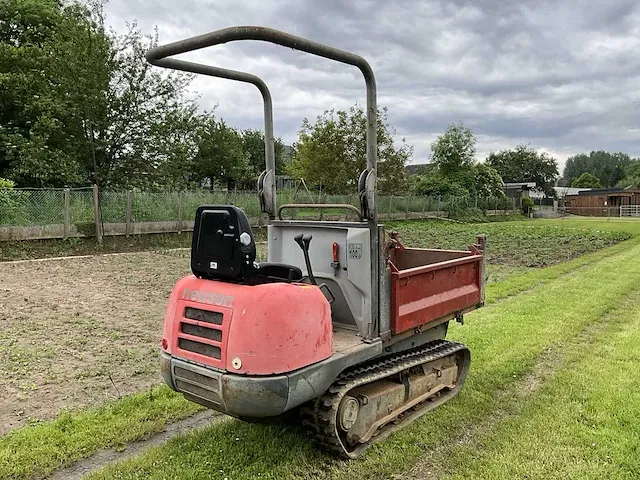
column 390, row 204
column 438, row 207
column 67, row 203
column 179, row 212
column 406, row 207
column 96, row 213
column 128, row 214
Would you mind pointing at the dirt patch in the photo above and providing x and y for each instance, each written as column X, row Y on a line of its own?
column 80, row 332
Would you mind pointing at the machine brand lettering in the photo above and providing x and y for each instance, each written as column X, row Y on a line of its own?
column 210, row 298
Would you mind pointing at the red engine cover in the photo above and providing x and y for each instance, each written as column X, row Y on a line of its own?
column 254, row 330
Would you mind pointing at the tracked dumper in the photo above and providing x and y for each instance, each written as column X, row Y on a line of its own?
column 343, row 327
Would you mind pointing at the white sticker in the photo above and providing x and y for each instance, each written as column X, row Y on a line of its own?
column 213, row 265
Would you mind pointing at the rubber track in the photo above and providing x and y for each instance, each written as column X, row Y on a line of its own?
column 319, row 416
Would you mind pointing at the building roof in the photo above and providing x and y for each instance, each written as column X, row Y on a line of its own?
column 559, row 191
column 523, row 185
column 609, row 191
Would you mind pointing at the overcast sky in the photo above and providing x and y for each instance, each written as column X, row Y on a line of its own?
column 561, row 76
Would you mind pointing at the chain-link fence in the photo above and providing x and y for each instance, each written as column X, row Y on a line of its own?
column 63, row 213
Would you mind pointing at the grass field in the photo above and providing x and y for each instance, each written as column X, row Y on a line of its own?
column 537, row 347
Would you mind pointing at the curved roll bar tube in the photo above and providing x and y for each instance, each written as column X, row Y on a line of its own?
column 159, row 56
column 266, row 183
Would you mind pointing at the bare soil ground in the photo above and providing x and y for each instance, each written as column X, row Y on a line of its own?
column 79, row 332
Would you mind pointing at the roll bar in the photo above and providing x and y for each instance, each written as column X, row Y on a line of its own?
column 266, row 184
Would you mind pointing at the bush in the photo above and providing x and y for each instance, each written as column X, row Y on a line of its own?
column 6, row 184
column 433, row 184
column 527, row 205
column 11, row 207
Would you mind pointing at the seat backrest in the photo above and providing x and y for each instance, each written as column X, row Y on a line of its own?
column 223, row 244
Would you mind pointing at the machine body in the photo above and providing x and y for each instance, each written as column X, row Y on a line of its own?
column 343, row 326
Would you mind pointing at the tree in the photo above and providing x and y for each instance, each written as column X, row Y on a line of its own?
column 253, row 145
column 140, row 98
column 586, row 180
column 488, row 182
column 220, row 156
column 331, row 152
column 173, row 148
column 608, row 167
column 434, row 184
column 524, row 164
column 39, row 130
column 79, row 104
column 454, row 170
column 455, row 150
column 631, row 175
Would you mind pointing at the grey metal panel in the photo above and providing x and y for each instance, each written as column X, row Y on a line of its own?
column 352, row 279
column 312, row 381
column 416, row 339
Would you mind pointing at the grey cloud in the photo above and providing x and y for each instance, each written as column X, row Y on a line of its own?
column 562, row 75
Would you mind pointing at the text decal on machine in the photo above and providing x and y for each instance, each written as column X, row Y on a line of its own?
column 207, row 297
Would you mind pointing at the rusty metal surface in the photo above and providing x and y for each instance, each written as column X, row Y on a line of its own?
column 433, row 291
column 386, row 399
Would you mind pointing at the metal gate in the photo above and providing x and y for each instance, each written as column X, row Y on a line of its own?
column 630, row 210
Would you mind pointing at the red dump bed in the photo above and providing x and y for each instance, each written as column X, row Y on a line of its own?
column 428, row 286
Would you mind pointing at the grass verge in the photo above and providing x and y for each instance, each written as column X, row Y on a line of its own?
column 38, row 450
column 581, row 424
column 506, row 339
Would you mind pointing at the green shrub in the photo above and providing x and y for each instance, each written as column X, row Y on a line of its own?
column 527, row 205
column 11, row 207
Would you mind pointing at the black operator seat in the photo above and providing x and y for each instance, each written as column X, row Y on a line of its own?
column 223, row 248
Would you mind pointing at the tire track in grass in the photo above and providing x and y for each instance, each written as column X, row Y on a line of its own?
column 518, row 396
column 506, row 341
column 105, row 457
column 582, row 423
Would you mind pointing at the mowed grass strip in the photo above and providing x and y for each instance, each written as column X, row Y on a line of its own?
column 506, row 340
column 583, row 422
column 37, row 450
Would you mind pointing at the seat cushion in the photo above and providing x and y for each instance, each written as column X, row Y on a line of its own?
column 279, row 270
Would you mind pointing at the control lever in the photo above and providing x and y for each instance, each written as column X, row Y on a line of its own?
column 304, row 241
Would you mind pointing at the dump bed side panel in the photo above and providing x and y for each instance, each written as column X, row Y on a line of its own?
column 429, row 293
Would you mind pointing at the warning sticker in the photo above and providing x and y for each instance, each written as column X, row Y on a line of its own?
column 355, row 251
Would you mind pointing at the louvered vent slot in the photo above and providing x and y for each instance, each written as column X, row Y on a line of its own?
column 203, row 315
column 201, row 348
